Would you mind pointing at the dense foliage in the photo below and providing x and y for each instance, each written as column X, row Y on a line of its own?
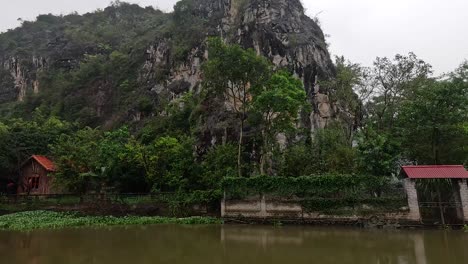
column 390, row 114
column 325, row 186
column 250, row 72
column 89, row 66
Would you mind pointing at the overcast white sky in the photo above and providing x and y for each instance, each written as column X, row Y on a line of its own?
column 436, row 30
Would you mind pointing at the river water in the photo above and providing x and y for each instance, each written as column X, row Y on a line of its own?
column 178, row 244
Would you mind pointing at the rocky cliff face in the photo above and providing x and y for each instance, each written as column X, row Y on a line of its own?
column 23, row 77
column 276, row 29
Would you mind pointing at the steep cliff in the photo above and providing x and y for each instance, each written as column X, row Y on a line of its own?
column 160, row 54
column 276, row 29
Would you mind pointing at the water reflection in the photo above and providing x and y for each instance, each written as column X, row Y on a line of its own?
column 232, row 244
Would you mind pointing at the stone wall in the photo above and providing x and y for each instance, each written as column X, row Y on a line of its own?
column 413, row 204
column 264, row 207
column 464, row 197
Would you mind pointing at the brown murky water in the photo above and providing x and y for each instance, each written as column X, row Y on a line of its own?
column 177, row 244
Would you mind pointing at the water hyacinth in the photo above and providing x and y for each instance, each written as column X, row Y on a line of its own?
column 53, row 220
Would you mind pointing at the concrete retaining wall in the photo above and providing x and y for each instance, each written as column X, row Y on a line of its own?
column 262, row 207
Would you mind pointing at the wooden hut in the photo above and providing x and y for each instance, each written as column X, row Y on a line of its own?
column 36, row 175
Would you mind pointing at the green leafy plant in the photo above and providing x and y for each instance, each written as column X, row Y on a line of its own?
column 278, row 103
column 319, row 185
column 232, row 72
column 53, row 220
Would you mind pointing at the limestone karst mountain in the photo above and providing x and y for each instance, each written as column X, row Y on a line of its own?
column 120, row 64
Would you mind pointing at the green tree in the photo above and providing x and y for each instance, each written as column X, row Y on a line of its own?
column 114, row 162
column 168, row 163
column 332, row 151
column 21, row 138
column 392, row 83
column 5, row 161
column 219, row 162
column 176, row 122
column 92, row 160
column 278, row 104
column 232, row 72
column 77, row 160
column 378, row 153
column 350, row 79
column 187, row 28
column 297, row 160
column 432, row 123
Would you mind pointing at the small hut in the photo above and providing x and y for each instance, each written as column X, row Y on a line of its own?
column 456, row 173
column 36, row 175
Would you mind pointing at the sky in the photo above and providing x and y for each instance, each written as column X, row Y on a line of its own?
column 359, row 30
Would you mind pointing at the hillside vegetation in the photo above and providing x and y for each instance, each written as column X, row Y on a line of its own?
column 108, row 126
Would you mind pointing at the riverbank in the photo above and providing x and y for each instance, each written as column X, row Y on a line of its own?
column 41, row 219
column 24, row 221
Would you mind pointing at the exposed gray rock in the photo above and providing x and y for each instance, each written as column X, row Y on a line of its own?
column 179, row 86
column 276, row 29
column 23, row 77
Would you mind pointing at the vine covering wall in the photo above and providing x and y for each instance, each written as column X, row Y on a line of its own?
column 322, row 193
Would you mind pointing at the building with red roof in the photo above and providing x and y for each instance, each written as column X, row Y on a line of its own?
column 456, row 173
column 36, row 175
column 435, row 172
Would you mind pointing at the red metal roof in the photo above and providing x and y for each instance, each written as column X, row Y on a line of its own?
column 436, row 172
column 44, row 162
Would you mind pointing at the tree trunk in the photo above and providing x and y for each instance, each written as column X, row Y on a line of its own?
column 263, row 154
column 239, row 151
column 435, row 146
column 262, row 164
column 269, row 159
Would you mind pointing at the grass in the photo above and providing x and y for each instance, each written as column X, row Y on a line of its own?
column 31, row 220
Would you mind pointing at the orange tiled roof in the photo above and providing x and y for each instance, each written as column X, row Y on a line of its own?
column 45, row 162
